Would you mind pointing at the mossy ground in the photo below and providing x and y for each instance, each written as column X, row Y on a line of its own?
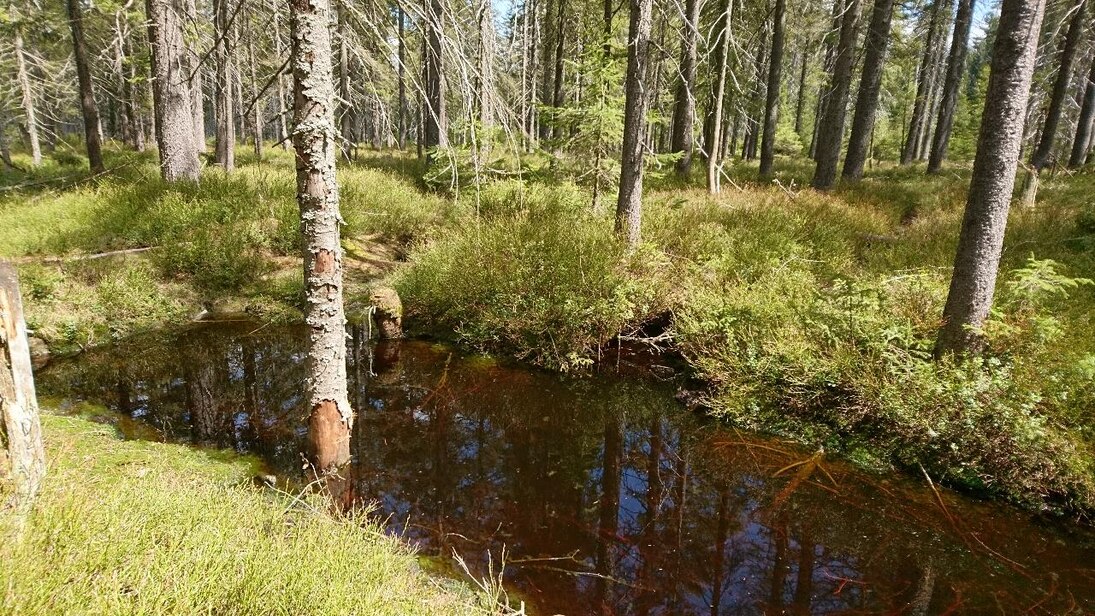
column 137, row 527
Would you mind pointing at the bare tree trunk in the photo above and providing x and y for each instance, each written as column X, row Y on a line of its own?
column 283, row 126
column 866, row 105
column 256, row 106
column 1069, row 49
column 713, row 140
column 486, row 66
column 194, row 72
column 771, row 104
column 171, row 92
column 684, row 107
column 345, row 106
column 923, row 81
column 225, row 145
column 956, row 65
column 629, row 203
column 315, row 141
column 29, row 111
column 435, row 127
column 20, row 429
column 92, row 134
column 982, row 237
column 801, row 103
column 402, row 69
column 831, row 132
column 560, row 41
column 1085, row 124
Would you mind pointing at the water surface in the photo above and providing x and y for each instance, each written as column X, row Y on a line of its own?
column 603, row 493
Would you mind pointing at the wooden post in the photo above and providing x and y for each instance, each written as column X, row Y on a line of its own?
column 20, row 429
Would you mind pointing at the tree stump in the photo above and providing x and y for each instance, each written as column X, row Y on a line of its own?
column 21, row 430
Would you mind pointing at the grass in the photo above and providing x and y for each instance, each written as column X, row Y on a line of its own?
column 135, row 527
column 805, row 314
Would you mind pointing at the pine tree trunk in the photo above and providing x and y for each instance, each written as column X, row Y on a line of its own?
column 800, row 105
column 923, row 84
column 870, row 83
column 956, row 66
column 29, row 110
column 1085, row 124
column 315, row 142
column 225, row 143
column 1069, row 49
column 831, row 132
column 92, row 130
column 982, row 236
column 771, row 105
column 629, row 203
column 714, row 137
column 171, row 99
column 684, row 106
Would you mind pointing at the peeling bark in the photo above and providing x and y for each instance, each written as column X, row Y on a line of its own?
column 315, row 142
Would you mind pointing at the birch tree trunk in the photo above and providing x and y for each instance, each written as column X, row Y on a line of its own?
column 831, row 132
column 171, row 100
column 956, row 65
column 684, row 107
column 29, row 112
column 771, row 104
column 866, row 105
column 629, row 202
column 982, row 237
column 92, row 130
column 315, row 142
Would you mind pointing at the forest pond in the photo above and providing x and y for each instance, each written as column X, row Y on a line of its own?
column 606, row 495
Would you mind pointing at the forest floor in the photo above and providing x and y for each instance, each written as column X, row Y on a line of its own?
column 803, row 314
column 138, row 527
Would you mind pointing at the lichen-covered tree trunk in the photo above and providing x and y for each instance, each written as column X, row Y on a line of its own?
column 771, row 104
column 629, row 201
column 20, row 430
column 29, row 111
column 956, row 65
column 870, row 84
column 171, row 92
column 1085, row 124
column 315, row 142
column 224, row 147
column 1070, row 47
column 923, row 84
column 982, row 237
column 92, row 135
column 684, row 106
column 831, row 131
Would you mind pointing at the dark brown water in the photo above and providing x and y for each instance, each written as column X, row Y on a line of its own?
column 604, row 493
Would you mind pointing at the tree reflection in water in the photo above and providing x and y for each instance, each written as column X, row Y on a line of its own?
column 607, row 496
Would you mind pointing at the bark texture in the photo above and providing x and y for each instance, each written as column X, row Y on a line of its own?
column 870, row 83
column 171, row 92
column 1070, row 47
column 831, row 130
column 435, row 121
column 20, row 426
column 923, row 85
column 956, row 66
column 684, row 106
column 629, row 202
column 771, row 103
column 225, row 143
column 29, row 111
column 1081, row 143
column 982, row 237
column 315, row 142
column 714, row 137
column 92, row 130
